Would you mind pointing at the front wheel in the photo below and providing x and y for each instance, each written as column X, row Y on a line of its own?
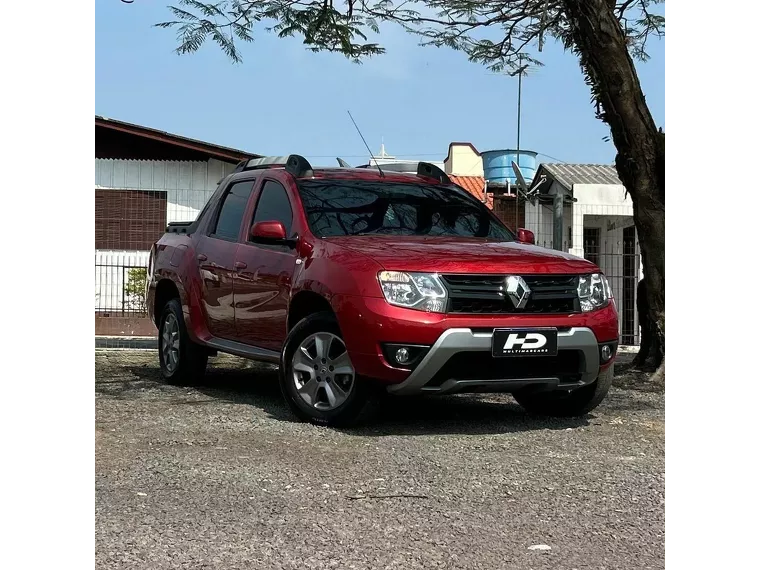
column 562, row 404
column 317, row 377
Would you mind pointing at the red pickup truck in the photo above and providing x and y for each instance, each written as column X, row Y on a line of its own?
column 354, row 280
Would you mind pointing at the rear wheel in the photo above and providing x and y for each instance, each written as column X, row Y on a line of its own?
column 563, row 404
column 182, row 361
column 317, row 378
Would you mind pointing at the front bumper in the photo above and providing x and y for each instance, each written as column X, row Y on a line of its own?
column 369, row 323
column 454, row 341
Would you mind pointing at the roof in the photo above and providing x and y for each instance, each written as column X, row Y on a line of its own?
column 570, row 174
column 474, row 185
column 213, row 150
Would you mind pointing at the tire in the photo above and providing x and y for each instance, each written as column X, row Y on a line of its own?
column 559, row 403
column 336, row 400
column 186, row 364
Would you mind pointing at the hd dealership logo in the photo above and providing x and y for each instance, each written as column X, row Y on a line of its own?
column 525, row 342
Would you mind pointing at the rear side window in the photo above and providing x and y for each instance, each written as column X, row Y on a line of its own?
column 231, row 212
column 274, row 206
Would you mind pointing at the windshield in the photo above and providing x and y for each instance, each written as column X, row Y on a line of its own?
column 364, row 207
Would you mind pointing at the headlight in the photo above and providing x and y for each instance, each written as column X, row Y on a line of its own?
column 593, row 292
column 421, row 291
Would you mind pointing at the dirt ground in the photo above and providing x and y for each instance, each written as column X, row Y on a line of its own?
column 222, row 476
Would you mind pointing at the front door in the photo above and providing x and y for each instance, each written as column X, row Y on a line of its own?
column 216, row 258
column 263, row 279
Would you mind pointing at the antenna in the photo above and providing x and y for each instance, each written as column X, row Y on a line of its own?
column 371, row 156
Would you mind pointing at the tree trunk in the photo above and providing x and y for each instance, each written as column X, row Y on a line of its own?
column 600, row 43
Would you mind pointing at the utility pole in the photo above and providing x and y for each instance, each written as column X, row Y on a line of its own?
column 519, row 115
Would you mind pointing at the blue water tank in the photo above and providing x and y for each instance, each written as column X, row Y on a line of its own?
column 497, row 165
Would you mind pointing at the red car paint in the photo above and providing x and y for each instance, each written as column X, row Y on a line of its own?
column 240, row 292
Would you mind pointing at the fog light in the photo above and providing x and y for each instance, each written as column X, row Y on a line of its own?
column 405, row 356
column 402, row 356
column 606, row 352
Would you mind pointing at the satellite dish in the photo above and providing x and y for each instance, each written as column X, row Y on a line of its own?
column 343, row 164
column 522, row 186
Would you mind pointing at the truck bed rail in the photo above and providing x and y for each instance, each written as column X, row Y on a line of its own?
column 180, row 227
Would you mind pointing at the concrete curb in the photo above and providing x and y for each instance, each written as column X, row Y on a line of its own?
column 126, row 342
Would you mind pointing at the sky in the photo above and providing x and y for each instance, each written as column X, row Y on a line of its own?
column 283, row 99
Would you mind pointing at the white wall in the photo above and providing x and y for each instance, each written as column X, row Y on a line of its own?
column 601, row 194
column 539, row 218
column 463, row 161
column 188, row 185
column 597, row 200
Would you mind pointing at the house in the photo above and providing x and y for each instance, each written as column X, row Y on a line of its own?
column 144, row 178
column 465, row 166
column 596, row 224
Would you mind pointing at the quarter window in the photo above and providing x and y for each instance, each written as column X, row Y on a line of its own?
column 231, row 212
column 274, row 206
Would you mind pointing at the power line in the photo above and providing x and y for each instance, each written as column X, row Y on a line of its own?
column 553, row 157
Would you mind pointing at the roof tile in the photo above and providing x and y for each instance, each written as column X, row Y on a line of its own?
column 474, row 185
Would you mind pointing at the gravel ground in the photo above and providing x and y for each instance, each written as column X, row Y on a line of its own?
column 222, row 476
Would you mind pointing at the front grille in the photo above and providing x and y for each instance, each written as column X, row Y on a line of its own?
column 567, row 365
column 485, row 294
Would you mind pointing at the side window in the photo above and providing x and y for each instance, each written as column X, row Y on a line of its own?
column 274, row 206
column 231, row 212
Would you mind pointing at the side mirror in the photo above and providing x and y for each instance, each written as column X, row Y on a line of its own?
column 268, row 232
column 526, row 236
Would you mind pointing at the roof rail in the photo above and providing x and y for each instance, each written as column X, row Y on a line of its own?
column 295, row 164
column 432, row 171
column 263, row 162
column 299, row 167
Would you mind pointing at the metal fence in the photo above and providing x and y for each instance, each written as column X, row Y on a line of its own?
column 620, row 261
column 120, row 308
column 120, row 290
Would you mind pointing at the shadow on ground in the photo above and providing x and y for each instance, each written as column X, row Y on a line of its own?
column 629, row 378
column 256, row 385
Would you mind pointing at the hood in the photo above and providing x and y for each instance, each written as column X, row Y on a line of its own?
column 462, row 255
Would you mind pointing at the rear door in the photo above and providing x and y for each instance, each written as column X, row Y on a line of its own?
column 264, row 274
column 216, row 259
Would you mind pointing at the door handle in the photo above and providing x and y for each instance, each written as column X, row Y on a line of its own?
column 202, row 257
column 240, row 265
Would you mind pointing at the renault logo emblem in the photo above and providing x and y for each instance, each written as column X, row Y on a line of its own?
column 517, row 291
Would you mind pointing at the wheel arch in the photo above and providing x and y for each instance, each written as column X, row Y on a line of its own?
column 166, row 290
column 305, row 303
